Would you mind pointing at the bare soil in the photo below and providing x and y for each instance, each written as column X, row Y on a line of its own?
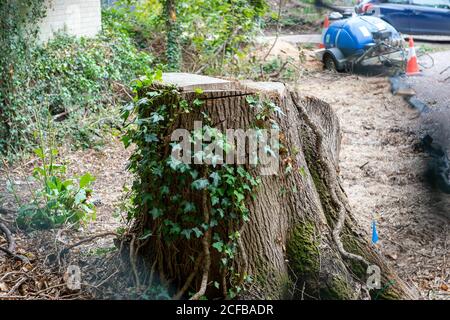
column 42, row 277
column 383, row 173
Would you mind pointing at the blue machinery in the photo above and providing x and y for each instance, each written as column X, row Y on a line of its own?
column 360, row 40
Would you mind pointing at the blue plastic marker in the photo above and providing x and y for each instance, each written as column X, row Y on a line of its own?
column 374, row 232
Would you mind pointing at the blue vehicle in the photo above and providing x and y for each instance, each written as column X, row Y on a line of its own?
column 417, row 17
column 360, row 40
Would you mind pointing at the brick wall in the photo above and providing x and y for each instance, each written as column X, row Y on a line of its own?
column 77, row 17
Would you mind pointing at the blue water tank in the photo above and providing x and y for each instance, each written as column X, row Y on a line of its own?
column 353, row 35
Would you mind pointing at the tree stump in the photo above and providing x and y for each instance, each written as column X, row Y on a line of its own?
column 299, row 240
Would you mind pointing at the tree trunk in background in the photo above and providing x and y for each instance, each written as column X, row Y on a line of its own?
column 173, row 49
column 302, row 241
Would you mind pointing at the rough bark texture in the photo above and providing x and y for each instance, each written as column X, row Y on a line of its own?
column 301, row 241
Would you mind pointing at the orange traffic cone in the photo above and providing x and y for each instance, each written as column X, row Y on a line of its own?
column 326, row 24
column 412, row 67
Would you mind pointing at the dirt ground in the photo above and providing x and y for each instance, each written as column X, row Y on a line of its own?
column 42, row 276
column 382, row 170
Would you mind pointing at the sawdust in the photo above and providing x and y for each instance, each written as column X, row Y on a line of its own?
column 298, row 56
column 382, row 170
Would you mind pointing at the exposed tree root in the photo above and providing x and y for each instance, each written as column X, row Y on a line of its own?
column 337, row 239
column 206, row 242
column 9, row 237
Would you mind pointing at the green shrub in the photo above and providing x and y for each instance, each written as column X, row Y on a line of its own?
column 60, row 199
column 80, row 82
column 211, row 32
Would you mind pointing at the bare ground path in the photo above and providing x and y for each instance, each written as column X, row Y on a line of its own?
column 382, row 169
column 43, row 276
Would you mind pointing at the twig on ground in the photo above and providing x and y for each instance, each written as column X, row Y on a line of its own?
column 49, row 288
column 17, row 285
column 124, row 89
column 15, row 256
column 365, row 164
column 9, row 237
column 60, row 115
column 106, row 279
column 443, row 71
column 66, row 250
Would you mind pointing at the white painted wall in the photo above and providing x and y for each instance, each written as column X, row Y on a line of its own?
column 77, row 17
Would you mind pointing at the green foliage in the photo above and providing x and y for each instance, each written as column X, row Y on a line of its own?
column 173, row 50
column 163, row 182
column 211, row 32
column 218, row 29
column 60, row 199
column 81, row 82
column 18, row 20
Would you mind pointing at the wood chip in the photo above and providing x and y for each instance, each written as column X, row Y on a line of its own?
column 4, row 286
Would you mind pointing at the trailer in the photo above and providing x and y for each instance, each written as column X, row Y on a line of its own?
column 360, row 40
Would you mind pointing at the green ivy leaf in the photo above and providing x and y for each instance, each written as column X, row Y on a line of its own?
column 156, row 213
column 186, row 233
column 239, row 196
column 188, row 207
column 86, row 179
column 151, row 137
column 200, row 184
column 80, row 196
column 218, row 246
column 216, row 178
column 214, row 200
column 156, row 118
column 198, row 232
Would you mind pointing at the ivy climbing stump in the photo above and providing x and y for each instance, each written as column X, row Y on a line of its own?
column 225, row 231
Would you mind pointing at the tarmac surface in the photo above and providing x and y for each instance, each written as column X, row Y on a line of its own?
column 432, row 88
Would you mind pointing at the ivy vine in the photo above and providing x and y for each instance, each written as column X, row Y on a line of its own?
column 18, row 31
column 189, row 202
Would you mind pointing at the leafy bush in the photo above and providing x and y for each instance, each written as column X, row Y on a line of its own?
column 211, row 32
column 18, row 29
column 81, row 82
column 60, row 199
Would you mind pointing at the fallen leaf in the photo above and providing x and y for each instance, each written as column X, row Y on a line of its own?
column 27, row 267
column 444, row 287
column 3, row 286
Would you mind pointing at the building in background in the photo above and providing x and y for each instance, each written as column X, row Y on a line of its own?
column 76, row 17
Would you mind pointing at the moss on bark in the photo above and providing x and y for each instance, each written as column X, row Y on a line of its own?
column 338, row 289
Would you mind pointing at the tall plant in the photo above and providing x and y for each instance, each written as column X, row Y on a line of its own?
column 173, row 50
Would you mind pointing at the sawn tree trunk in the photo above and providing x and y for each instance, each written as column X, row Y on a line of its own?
column 301, row 240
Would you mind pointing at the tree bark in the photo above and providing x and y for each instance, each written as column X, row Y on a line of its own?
column 302, row 241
